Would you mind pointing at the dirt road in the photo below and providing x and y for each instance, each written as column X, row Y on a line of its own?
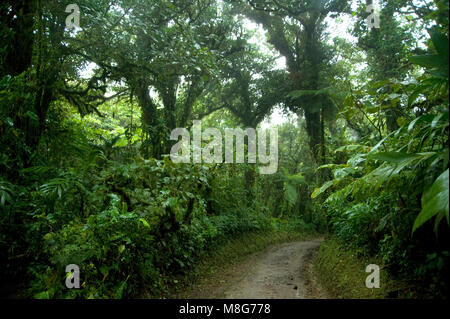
column 281, row 271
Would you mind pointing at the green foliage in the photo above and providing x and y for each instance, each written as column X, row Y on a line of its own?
column 435, row 201
column 132, row 225
column 86, row 116
column 137, row 229
column 436, row 64
column 342, row 273
column 322, row 189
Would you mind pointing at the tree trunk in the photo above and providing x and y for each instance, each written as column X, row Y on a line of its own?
column 148, row 119
column 19, row 52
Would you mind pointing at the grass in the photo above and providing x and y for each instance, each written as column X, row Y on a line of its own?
column 343, row 274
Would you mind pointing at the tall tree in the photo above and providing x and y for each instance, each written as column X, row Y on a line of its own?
column 249, row 87
column 387, row 48
column 166, row 61
column 35, row 55
column 296, row 30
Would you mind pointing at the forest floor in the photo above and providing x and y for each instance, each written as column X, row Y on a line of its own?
column 282, row 271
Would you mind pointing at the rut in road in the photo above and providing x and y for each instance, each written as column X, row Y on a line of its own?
column 280, row 272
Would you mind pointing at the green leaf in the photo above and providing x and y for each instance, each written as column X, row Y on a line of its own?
column 440, row 74
column 332, row 166
column 394, row 95
column 402, row 160
column 440, row 118
column 441, row 44
column 42, row 295
column 394, row 157
column 418, row 90
column 428, row 61
column 427, row 118
column 322, row 189
column 434, row 201
column 290, row 194
column 144, row 222
column 382, row 141
column 378, row 84
column 296, row 179
column 31, row 115
column 351, row 147
column 104, row 270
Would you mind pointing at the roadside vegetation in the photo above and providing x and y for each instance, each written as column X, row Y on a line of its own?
column 86, row 117
column 342, row 273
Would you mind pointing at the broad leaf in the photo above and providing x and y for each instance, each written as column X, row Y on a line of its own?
column 434, row 201
column 428, row 61
column 394, row 157
column 322, row 189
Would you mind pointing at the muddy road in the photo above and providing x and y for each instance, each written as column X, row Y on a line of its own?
column 282, row 271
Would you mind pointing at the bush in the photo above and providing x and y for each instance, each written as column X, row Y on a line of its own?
column 137, row 227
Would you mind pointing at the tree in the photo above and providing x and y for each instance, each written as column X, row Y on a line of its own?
column 387, row 49
column 166, row 61
column 249, row 88
column 295, row 29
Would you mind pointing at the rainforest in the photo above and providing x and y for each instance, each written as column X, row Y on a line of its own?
column 347, row 198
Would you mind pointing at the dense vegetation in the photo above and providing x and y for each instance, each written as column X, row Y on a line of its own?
column 86, row 116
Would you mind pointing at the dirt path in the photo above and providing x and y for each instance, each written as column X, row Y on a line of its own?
column 281, row 271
